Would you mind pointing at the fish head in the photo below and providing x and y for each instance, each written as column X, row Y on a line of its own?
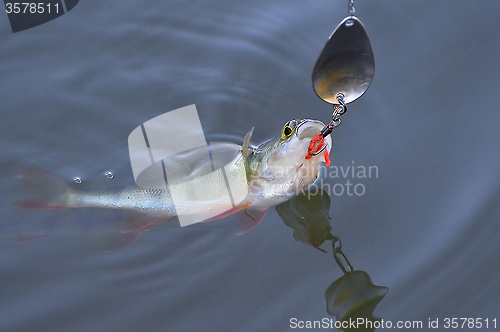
column 281, row 163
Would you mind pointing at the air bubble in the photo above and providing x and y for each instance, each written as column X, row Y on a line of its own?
column 349, row 23
column 109, row 175
column 77, row 180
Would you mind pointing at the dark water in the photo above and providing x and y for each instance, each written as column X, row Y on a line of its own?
column 427, row 227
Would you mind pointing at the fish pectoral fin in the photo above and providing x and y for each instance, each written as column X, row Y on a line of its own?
column 140, row 222
column 250, row 219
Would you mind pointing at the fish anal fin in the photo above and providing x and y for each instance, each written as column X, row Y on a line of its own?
column 136, row 223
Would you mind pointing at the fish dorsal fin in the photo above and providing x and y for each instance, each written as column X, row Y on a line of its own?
column 246, row 151
column 246, row 141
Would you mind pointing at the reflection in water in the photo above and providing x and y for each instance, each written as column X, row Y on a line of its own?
column 308, row 216
column 351, row 297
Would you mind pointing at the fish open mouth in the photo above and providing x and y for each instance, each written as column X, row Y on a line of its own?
column 312, row 129
column 309, row 129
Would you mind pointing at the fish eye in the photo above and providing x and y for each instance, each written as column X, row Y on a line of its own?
column 287, row 131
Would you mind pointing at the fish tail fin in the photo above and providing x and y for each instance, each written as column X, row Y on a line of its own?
column 46, row 191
